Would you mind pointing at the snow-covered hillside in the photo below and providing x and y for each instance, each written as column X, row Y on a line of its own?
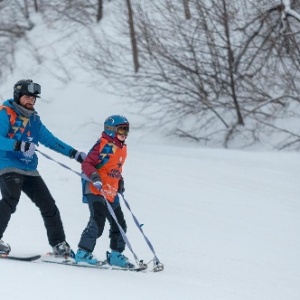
column 224, row 223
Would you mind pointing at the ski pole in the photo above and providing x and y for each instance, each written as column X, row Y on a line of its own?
column 126, row 240
column 158, row 266
column 61, row 164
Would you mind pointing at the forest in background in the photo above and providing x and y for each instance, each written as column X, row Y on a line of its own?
column 216, row 72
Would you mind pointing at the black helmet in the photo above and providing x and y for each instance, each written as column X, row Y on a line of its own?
column 26, row 87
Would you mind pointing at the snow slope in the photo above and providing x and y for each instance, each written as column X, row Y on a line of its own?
column 224, row 223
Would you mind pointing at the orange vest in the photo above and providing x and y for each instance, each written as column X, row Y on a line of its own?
column 111, row 160
column 12, row 119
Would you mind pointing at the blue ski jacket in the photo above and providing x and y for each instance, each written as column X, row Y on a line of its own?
column 16, row 127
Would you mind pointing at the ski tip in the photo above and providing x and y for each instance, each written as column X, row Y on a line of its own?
column 21, row 258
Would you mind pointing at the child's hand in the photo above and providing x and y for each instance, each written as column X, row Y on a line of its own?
column 97, row 185
column 96, row 180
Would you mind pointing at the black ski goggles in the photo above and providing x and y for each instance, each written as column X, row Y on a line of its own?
column 122, row 130
column 34, row 88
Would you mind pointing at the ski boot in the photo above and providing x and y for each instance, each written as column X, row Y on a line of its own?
column 4, row 248
column 63, row 250
column 83, row 256
column 116, row 258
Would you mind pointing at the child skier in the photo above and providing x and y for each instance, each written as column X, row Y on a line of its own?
column 103, row 166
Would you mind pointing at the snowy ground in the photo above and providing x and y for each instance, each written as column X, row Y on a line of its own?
column 225, row 223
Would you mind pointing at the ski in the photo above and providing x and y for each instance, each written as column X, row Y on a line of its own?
column 20, row 258
column 103, row 265
column 50, row 258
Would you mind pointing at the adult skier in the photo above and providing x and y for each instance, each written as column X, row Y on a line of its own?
column 21, row 131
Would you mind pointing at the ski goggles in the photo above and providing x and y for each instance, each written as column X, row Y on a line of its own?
column 122, row 130
column 34, row 88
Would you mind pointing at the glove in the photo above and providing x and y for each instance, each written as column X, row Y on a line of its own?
column 96, row 181
column 26, row 147
column 78, row 156
column 97, row 185
column 121, row 188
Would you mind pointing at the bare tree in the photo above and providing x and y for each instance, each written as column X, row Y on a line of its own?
column 99, row 10
column 36, row 5
column 216, row 71
column 187, row 11
column 227, row 75
column 135, row 53
column 78, row 13
column 15, row 22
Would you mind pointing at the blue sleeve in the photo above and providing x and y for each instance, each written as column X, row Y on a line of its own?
column 49, row 140
column 6, row 143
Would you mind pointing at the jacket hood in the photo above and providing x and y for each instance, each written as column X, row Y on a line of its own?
column 20, row 110
column 8, row 103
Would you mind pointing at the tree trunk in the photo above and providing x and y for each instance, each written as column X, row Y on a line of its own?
column 187, row 11
column 133, row 37
column 36, row 6
column 100, row 10
column 26, row 11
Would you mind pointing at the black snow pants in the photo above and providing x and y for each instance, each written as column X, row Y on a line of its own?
column 11, row 185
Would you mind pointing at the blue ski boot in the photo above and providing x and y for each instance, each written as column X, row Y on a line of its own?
column 83, row 256
column 116, row 258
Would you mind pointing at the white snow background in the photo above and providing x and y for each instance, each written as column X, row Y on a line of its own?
column 225, row 223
